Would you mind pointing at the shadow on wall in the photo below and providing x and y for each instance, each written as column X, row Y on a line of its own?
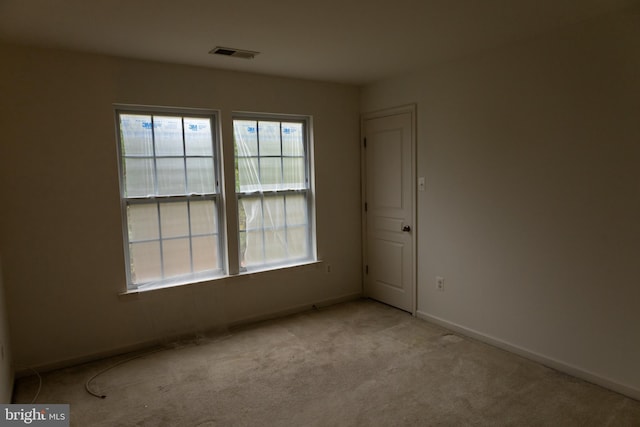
column 6, row 373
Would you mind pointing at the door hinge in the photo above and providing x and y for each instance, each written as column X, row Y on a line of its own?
column 366, row 207
column 366, row 269
column 365, row 143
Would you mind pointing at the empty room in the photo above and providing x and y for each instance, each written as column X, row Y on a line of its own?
column 320, row 213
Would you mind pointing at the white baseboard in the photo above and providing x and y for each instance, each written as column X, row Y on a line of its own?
column 550, row 362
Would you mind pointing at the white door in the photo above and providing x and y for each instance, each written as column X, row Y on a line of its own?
column 389, row 200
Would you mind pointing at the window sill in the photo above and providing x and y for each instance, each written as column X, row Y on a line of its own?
column 221, row 277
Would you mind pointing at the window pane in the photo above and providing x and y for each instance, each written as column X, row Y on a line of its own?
column 248, row 180
column 145, row 262
column 168, row 136
column 270, row 174
column 292, row 139
column 253, row 254
column 203, row 217
column 242, row 237
column 200, row 175
column 174, row 219
column 269, row 138
column 138, row 177
column 137, row 139
column 274, row 212
column 298, row 242
column 197, row 137
column 245, row 134
column 177, row 257
column 296, row 210
column 171, row 179
column 275, row 246
column 294, row 177
column 252, row 207
column 143, row 222
column 205, row 253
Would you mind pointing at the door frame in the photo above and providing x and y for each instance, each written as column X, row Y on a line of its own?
column 409, row 108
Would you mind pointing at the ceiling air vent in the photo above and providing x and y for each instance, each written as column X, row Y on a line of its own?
column 236, row 53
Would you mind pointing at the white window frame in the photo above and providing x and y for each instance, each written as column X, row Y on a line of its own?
column 228, row 232
column 216, row 196
column 308, row 192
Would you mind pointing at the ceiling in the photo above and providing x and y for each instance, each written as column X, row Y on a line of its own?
column 350, row 41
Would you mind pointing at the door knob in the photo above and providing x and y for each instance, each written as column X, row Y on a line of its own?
column 406, row 228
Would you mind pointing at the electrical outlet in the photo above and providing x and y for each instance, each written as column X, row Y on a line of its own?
column 440, row 283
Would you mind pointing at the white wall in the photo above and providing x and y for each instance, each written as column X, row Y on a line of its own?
column 6, row 371
column 61, row 230
column 531, row 212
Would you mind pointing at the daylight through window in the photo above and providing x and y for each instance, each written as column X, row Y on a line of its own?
column 273, row 192
column 170, row 192
column 175, row 230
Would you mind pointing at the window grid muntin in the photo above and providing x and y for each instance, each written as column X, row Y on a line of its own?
column 160, row 199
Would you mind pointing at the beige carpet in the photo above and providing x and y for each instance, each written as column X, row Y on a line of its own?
column 353, row 364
